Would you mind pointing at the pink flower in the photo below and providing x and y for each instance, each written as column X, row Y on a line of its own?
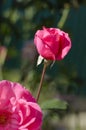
column 18, row 109
column 52, row 43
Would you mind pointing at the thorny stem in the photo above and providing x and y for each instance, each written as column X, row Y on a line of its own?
column 41, row 82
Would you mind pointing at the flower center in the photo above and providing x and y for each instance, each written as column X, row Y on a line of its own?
column 4, row 117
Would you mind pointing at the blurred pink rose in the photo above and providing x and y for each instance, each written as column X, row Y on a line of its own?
column 52, row 43
column 18, row 109
column 29, row 51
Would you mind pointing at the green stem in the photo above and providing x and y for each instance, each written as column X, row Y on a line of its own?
column 1, row 77
column 41, row 82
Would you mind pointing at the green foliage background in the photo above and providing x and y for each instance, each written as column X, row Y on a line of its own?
column 19, row 20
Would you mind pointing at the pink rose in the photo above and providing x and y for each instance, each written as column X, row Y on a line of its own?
column 18, row 109
column 52, row 43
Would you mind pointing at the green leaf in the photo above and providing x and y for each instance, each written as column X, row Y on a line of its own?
column 54, row 104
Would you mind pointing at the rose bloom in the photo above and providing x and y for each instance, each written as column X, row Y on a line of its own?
column 52, row 43
column 18, row 109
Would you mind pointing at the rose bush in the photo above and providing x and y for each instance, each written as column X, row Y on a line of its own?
column 52, row 43
column 18, row 109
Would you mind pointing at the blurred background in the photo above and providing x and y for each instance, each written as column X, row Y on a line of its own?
column 66, row 80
